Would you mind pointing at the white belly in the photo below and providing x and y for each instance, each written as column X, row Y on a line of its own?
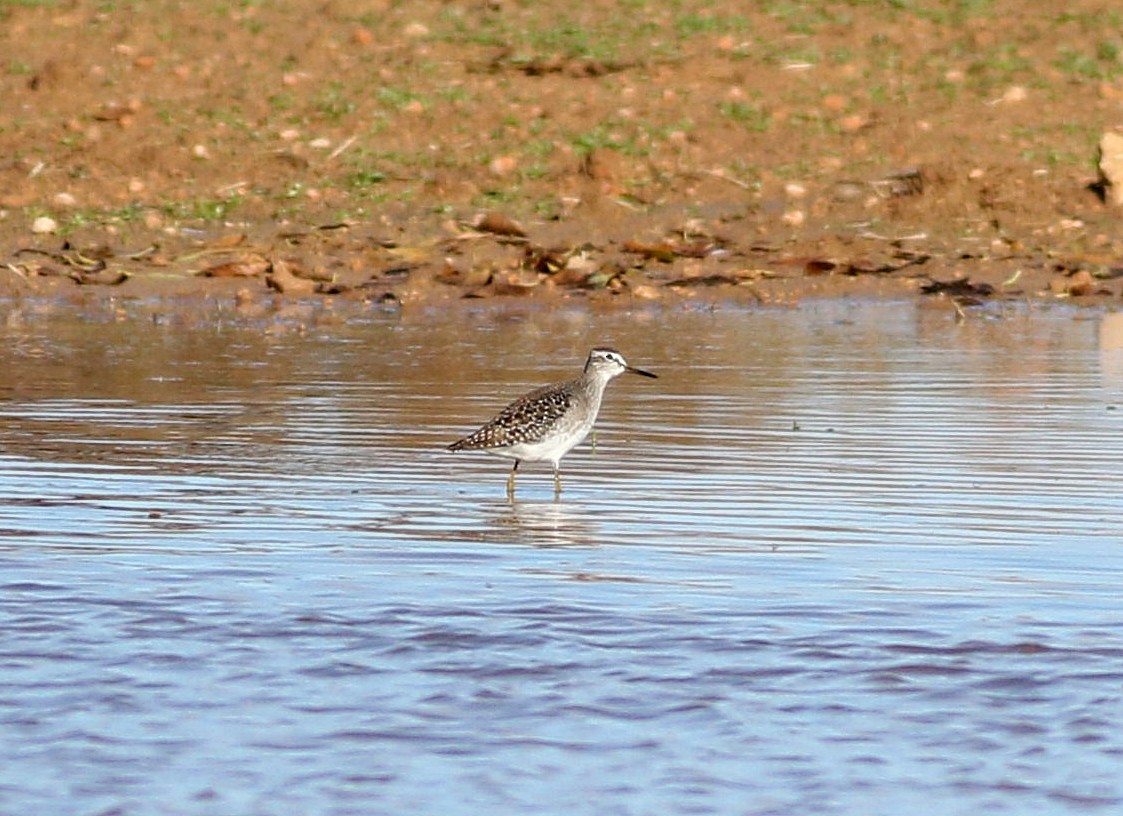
column 551, row 449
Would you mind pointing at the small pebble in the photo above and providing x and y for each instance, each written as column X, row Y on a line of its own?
column 44, row 225
column 502, row 165
column 1015, row 93
column 795, row 190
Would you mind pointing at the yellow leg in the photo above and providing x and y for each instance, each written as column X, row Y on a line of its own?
column 557, row 483
column 511, row 482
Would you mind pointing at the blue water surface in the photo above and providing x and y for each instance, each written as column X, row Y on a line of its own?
column 843, row 559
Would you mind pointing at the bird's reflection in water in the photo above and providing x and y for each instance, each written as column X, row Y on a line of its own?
column 557, row 523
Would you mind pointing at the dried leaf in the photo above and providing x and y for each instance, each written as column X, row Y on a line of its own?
column 1081, row 284
column 458, row 272
column 410, row 254
column 702, row 280
column 318, row 274
column 577, row 271
column 517, row 282
column 282, row 279
column 698, row 249
column 957, row 287
column 662, row 252
column 606, row 276
column 907, row 182
column 499, row 224
column 546, row 261
column 819, row 266
column 228, row 241
column 100, row 277
column 508, row 59
column 43, row 270
column 248, row 268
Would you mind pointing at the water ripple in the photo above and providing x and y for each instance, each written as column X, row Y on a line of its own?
column 847, row 559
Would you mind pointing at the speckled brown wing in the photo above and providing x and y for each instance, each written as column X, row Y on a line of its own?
column 527, row 419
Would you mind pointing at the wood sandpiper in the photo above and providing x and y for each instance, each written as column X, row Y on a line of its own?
column 547, row 423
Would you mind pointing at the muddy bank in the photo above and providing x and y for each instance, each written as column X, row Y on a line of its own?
column 427, row 153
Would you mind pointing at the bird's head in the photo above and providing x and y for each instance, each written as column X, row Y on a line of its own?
column 610, row 363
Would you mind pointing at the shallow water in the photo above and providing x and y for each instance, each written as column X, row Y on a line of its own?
column 849, row 558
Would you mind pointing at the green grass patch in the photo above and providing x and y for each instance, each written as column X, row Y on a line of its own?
column 693, row 24
column 752, row 117
column 1102, row 62
column 201, row 209
column 333, row 104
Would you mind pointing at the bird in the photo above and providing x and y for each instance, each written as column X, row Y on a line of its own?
column 547, row 423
